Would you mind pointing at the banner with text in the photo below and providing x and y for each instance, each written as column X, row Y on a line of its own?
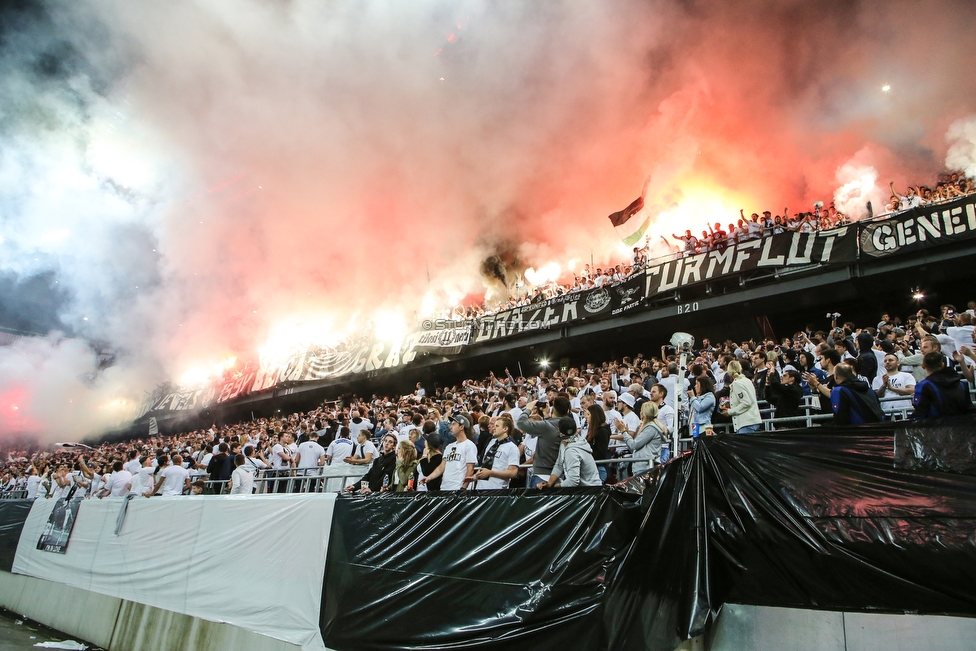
column 921, row 227
column 594, row 303
column 838, row 245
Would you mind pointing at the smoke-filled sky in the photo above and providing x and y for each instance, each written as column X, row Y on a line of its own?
column 183, row 181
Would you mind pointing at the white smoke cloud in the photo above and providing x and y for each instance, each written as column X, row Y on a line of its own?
column 858, row 185
column 961, row 137
column 195, row 174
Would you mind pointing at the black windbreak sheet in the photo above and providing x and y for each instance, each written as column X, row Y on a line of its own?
column 474, row 570
column 823, row 519
column 13, row 515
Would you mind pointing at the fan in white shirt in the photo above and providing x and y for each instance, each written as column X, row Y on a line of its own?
column 172, row 479
column 501, row 461
column 894, row 383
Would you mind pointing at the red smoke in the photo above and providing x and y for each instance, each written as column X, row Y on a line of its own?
column 319, row 160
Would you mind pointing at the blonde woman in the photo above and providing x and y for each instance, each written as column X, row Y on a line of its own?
column 743, row 407
column 406, row 465
column 646, row 446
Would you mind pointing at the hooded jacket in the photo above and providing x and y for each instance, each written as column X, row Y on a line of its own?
column 855, row 403
column 867, row 361
column 942, row 393
column 646, row 446
column 575, row 464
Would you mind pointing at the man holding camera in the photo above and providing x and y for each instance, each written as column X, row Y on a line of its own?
column 544, row 426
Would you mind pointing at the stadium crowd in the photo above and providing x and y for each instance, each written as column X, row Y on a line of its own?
column 541, row 430
column 950, row 185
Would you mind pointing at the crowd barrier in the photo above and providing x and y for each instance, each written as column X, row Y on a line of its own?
column 864, row 520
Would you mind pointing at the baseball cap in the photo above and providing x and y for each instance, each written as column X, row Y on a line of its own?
column 567, row 427
column 461, row 420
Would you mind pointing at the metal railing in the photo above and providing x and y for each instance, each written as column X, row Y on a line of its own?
column 16, row 494
column 328, row 479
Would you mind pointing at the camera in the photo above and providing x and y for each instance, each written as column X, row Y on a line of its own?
column 682, row 341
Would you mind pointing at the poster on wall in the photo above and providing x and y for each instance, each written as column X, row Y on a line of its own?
column 57, row 532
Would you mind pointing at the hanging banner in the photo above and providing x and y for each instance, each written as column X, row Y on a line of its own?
column 57, row 532
column 774, row 251
column 444, row 337
column 920, row 228
column 595, row 303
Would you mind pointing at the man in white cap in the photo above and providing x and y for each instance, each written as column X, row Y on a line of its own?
column 629, row 421
column 457, row 467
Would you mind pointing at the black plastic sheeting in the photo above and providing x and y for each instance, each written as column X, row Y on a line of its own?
column 948, row 445
column 474, row 570
column 820, row 519
column 877, row 518
column 13, row 515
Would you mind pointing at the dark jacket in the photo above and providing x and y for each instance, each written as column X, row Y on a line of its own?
column 855, row 403
column 942, row 393
column 867, row 361
column 218, row 467
column 786, row 398
column 600, row 442
column 383, row 466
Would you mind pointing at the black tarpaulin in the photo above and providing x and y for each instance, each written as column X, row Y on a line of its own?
column 822, row 519
column 13, row 515
column 474, row 570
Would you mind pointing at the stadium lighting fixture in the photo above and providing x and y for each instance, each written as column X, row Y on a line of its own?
column 544, row 363
column 917, row 294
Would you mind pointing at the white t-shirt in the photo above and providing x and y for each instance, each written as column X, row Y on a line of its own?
column 665, row 413
column 339, row 449
column 276, row 461
column 242, row 481
column 962, row 336
column 670, row 383
column 118, row 483
column 404, row 434
column 311, row 452
column 632, row 421
column 362, row 449
column 355, row 428
column 174, row 479
column 899, row 380
column 142, row 482
column 76, row 477
column 32, row 483
column 133, row 466
column 515, row 413
column 507, row 456
column 457, row 456
column 253, row 465
column 612, row 416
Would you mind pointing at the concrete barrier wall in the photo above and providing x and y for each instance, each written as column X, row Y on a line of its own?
column 89, row 616
column 186, row 555
column 761, row 628
column 120, row 625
